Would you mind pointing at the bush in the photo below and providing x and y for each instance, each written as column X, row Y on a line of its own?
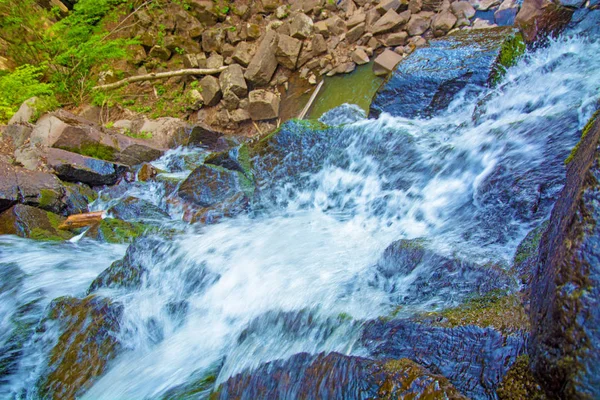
column 20, row 85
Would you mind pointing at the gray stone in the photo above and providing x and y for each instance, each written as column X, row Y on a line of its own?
column 230, row 100
column 322, row 28
column 301, row 26
column 160, row 52
column 386, row 5
column 335, row 25
column 386, row 62
column 214, row 61
column 190, row 61
column 288, row 50
column 264, row 63
column 232, row 80
column 18, row 134
column 415, row 6
column 72, row 167
column 390, row 21
column 25, row 113
column 211, row 90
column 213, row 40
column 462, row 8
column 282, row 12
column 357, row 18
column 355, row 33
column 360, row 57
column 442, row 23
column 263, row 105
column 505, row 15
column 395, row 39
column 243, row 53
column 239, row 115
column 417, row 25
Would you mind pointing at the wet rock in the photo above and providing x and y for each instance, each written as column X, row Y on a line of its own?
column 288, row 50
column 203, row 135
column 334, row 375
column 243, row 53
column 134, row 209
column 113, row 230
column 301, row 26
column 264, row 63
column 389, row 22
column 469, row 58
column 442, row 23
column 539, row 18
column 18, row 185
column 417, row 25
column 473, row 359
column 506, row 13
column 73, row 167
column 30, row 222
column 565, row 291
column 263, row 105
column 160, row 52
column 360, row 57
column 146, row 172
column 386, row 62
column 211, row 90
column 209, row 185
column 87, row 341
column 25, row 112
column 232, row 80
column 77, row 197
column 235, row 159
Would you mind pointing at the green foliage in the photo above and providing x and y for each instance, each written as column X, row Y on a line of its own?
column 20, row 85
column 586, row 129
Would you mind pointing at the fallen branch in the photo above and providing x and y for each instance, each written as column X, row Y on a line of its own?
column 311, row 100
column 81, row 220
column 160, row 75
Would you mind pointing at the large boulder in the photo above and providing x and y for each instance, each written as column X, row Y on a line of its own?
column 442, row 23
column 18, row 134
column 390, row 21
column 232, row 80
column 422, row 85
column 386, row 62
column 288, row 50
column 87, row 340
column 565, row 304
column 336, row 376
column 264, row 63
column 211, row 91
column 30, row 222
column 72, row 167
column 209, row 185
column 263, row 105
column 301, row 26
column 25, row 112
column 243, row 53
column 539, row 18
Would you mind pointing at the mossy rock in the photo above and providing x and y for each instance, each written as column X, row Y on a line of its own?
column 30, row 222
column 504, row 312
column 587, row 128
column 520, row 383
column 77, row 197
column 512, row 49
column 236, row 159
column 86, row 343
column 112, row 230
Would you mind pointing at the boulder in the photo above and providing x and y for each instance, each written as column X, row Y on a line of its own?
column 356, row 33
column 301, row 26
column 335, row 25
column 321, row 28
column 462, row 9
column 211, row 90
column 336, row 376
column 232, row 80
column 87, row 331
column 565, row 291
column 18, row 134
column 25, row 112
column 395, row 39
column 415, row 6
column 47, row 129
column 355, row 19
column 19, row 185
column 160, row 52
column 203, row 135
column 264, row 63
column 442, row 23
column 386, row 62
column 421, row 86
column 243, row 53
column 263, row 105
column 214, row 61
column 72, row 167
column 417, row 25
column 213, row 40
column 176, row 43
column 239, row 115
column 134, row 209
column 539, row 18
column 360, row 57
column 288, row 50
column 163, row 133
column 390, row 21
column 190, row 61
column 386, row 5
column 30, row 222
column 209, row 185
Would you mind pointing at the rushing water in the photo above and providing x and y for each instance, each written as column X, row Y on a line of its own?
column 296, row 274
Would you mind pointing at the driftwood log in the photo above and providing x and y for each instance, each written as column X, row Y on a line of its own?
column 160, row 75
column 81, row 220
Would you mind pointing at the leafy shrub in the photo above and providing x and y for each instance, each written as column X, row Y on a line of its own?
column 20, row 85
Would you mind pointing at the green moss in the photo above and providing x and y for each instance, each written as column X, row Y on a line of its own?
column 586, row 129
column 529, row 246
column 496, row 309
column 47, row 198
column 193, row 390
column 94, row 150
column 50, row 233
column 512, row 49
column 42, row 234
column 520, row 383
column 112, row 230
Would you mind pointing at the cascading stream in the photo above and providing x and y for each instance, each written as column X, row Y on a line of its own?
column 296, row 275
